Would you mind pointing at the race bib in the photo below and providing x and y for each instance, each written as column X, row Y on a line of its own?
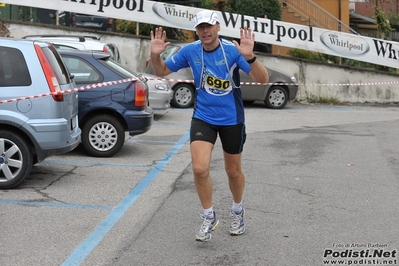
column 217, row 86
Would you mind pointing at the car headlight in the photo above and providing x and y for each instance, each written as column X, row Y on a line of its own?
column 293, row 79
column 162, row 86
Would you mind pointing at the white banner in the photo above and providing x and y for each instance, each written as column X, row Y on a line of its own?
column 324, row 41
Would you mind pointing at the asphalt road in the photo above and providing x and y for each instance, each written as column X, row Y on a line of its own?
column 322, row 186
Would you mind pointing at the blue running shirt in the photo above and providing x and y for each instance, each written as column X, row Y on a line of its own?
column 218, row 95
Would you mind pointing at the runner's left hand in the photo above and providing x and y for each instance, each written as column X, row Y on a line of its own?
column 247, row 41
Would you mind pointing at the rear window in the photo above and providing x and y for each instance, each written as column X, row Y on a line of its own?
column 127, row 73
column 57, row 64
column 83, row 71
column 13, row 68
column 121, row 70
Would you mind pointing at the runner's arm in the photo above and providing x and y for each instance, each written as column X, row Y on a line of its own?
column 258, row 72
column 159, row 66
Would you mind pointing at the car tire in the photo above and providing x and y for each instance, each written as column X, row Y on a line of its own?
column 103, row 136
column 276, row 97
column 247, row 102
column 183, row 95
column 16, row 159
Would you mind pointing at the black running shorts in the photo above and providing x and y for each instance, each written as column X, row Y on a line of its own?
column 232, row 137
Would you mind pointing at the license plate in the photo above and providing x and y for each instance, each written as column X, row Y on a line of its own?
column 93, row 24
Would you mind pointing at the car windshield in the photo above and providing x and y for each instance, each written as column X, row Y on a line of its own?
column 169, row 51
column 123, row 71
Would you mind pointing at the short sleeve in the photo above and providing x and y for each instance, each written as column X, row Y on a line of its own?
column 178, row 60
column 243, row 64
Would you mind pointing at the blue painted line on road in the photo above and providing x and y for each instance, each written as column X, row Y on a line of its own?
column 338, row 108
column 84, row 249
column 56, row 204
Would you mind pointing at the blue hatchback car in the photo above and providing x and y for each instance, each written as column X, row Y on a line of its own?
column 106, row 112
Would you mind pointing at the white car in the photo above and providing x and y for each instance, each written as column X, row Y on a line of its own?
column 160, row 93
column 79, row 42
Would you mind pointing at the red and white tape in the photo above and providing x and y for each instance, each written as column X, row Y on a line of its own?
column 299, row 84
column 88, row 87
column 108, row 83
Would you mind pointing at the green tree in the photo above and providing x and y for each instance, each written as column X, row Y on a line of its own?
column 382, row 21
column 386, row 15
column 394, row 20
column 256, row 8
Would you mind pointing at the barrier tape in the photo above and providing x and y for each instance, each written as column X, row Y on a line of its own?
column 108, row 83
column 87, row 87
column 291, row 83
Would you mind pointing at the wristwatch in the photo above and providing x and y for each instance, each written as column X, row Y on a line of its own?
column 250, row 61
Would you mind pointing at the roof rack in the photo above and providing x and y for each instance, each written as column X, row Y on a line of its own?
column 81, row 38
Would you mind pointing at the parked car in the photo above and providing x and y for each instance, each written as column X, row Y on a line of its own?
column 159, row 90
column 90, row 22
column 79, row 42
column 281, row 88
column 41, row 123
column 160, row 93
column 72, row 19
column 115, row 52
column 107, row 111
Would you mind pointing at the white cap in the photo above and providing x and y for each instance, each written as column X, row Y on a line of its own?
column 206, row 16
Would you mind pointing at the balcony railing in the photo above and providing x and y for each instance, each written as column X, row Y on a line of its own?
column 317, row 16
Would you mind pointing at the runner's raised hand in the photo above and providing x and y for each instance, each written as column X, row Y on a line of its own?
column 247, row 41
column 158, row 44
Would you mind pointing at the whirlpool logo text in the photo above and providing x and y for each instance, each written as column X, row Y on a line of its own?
column 344, row 44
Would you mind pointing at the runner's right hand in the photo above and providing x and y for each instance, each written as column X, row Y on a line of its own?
column 158, row 44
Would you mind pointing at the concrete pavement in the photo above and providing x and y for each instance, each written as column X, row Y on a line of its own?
column 322, row 185
column 314, row 194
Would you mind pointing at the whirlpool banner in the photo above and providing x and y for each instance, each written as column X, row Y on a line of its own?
column 336, row 43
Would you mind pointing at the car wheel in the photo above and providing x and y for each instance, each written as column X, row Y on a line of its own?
column 16, row 159
column 276, row 97
column 103, row 136
column 183, row 95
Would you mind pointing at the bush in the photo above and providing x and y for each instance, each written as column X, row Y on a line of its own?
column 304, row 54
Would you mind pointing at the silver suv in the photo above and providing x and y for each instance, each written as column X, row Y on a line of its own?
column 38, row 116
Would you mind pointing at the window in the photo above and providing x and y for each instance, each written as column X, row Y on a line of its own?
column 13, row 68
column 83, row 72
column 169, row 51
